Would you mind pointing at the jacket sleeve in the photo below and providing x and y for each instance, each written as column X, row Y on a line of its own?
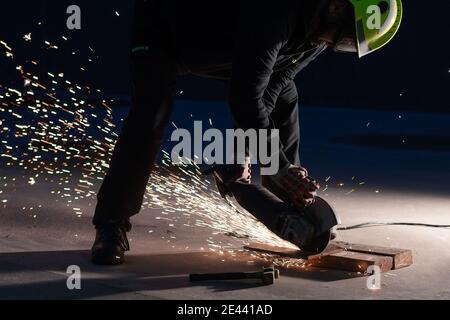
column 279, row 80
column 260, row 35
column 277, row 83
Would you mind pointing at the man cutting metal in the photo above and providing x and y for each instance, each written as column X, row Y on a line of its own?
column 258, row 47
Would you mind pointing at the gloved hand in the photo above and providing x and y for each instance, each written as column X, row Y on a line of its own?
column 296, row 185
column 228, row 174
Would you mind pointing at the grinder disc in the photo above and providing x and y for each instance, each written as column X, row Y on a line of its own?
column 324, row 218
column 318, row 244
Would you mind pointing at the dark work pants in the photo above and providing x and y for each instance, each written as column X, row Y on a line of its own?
column 122, row 191
column 286, row 119
column 154, row 75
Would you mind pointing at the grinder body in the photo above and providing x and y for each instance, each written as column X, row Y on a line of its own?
column 310, row 229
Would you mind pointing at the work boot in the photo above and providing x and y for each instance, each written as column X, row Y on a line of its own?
column 111, row 243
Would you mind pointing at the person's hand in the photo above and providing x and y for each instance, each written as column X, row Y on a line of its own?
column 225, row 175
column 299, row 187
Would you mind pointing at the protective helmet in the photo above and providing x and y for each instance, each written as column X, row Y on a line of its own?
column 377, row 22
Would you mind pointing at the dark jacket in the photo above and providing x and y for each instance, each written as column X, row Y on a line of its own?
column 258, row 45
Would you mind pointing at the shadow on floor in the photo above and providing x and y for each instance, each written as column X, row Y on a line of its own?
column 42, row 275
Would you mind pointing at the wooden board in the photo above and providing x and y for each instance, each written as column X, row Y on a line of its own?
column 344, row 256
column 291, row 253
column 353, row 261
column 402, row 258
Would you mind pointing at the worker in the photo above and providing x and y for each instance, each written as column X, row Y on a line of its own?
column 258, row 47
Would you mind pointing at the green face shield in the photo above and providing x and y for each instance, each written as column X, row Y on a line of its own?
column 377, row 22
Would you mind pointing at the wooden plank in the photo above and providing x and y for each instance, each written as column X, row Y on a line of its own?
column 353, row 261
column 292, row 253
column 331, row 249
column 402, row 258
column 344, row 256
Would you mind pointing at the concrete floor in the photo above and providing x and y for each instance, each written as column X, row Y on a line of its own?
column 35, row 254
column 37, row 246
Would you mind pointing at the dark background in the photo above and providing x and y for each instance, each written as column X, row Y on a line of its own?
column 412, row 72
